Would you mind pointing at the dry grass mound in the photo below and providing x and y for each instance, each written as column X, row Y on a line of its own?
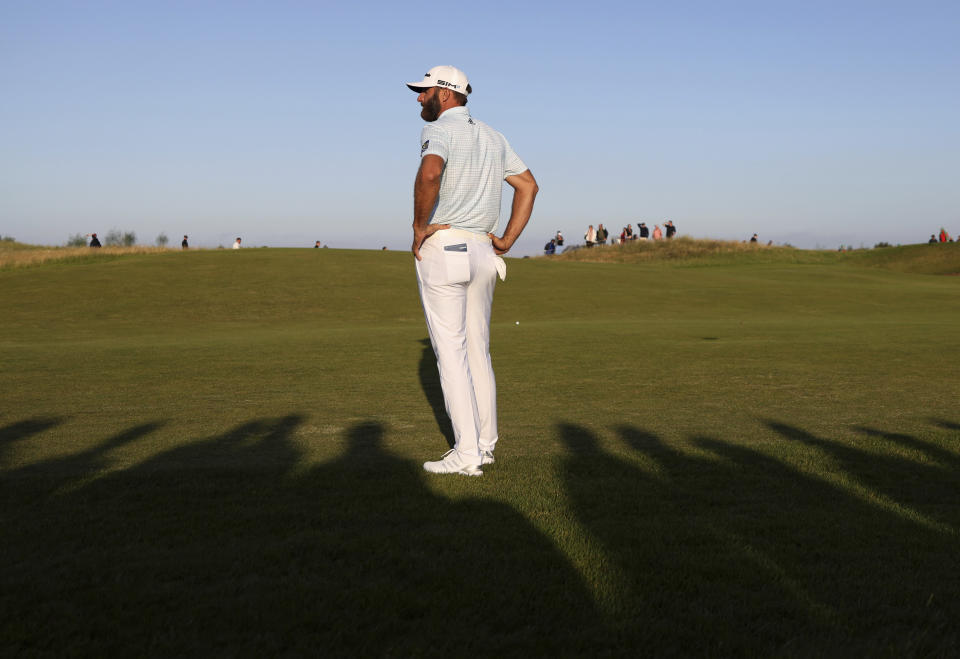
column 923, row 259
column 939, row 259
column 691, row 249
column 19, row 255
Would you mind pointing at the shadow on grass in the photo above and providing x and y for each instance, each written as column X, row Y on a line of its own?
column 430, row 383
column 89, row 462
column 726, row 550
column 231, row 545
column 20, row 430
column 949, row 425
column 929, row 488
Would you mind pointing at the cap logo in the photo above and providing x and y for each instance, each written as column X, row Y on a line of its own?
column 447, row 84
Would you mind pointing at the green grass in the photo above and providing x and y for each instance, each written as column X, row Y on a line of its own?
column 218, row 452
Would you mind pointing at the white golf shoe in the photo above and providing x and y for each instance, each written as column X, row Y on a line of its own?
column 486, row 458
column 451, row 463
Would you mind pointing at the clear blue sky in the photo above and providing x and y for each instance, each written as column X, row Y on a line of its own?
column 817, row 123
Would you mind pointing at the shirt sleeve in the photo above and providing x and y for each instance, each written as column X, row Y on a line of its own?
column 434, row 141
column 512, row 165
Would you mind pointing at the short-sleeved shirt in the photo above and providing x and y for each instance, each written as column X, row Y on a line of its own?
column 477, row 160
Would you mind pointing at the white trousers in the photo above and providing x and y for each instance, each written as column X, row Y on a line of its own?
column 456, row 278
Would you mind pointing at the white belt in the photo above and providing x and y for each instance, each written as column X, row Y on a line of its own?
column 469, row 235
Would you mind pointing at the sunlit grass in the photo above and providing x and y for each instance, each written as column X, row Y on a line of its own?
column 221, row 454
column 18, row 255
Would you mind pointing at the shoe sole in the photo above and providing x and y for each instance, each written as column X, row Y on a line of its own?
column 462, row 472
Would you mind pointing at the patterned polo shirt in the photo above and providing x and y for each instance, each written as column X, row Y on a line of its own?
column 478, row 159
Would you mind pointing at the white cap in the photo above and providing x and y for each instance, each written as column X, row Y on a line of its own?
column 443, row 76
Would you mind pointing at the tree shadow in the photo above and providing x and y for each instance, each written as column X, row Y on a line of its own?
column 232, row 545
column 726, row 550
column 432, row 389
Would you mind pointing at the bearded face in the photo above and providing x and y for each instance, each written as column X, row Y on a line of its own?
column 431, row 105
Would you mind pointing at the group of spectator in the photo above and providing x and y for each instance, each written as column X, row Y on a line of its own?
column 599, row 235
column 944, row 237
column 551, row 247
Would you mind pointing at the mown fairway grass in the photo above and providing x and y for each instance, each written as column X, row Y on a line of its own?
column 218, row 452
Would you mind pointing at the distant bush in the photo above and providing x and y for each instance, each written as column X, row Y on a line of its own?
column 8, row 239
column 116, row 238
column 77, row 240
column 881, row 244
column 162, row 240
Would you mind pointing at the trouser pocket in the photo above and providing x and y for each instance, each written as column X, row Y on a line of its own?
column 456, row 264
column 444, row 264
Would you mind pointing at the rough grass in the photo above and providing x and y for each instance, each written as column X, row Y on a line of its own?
column 939, row 259
column 19, row 255
column 218, row 453
column 919, row 259
column 685, row 248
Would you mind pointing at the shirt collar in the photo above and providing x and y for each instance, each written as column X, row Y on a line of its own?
column 455, row 110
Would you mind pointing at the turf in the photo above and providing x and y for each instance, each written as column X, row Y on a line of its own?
column 219, row 452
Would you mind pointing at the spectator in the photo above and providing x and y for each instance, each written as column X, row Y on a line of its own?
column 944, row 236
column 93, row 240
column 590, row 236
column 629, row 232
column 184, row 244
column 657, row 233
column 236, row 244
column 559, row 238
column 932, row 241
column 644, row 231
column 602, row 234
column 551, row 247
column 316, row 245
column 754, row 238
column 671, row 230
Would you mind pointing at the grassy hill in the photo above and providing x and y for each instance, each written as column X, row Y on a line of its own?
column 921, row 259
column 219, row 451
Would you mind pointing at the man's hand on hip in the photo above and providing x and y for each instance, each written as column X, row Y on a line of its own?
column 500, row 246
column 419, row 236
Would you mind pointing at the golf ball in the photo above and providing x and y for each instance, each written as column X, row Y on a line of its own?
column 518, row 322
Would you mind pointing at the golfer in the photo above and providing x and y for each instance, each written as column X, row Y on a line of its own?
column 456, row 209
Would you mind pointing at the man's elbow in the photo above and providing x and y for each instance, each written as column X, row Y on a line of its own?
column 429, row 177
column 532, row 190
column 532, row 187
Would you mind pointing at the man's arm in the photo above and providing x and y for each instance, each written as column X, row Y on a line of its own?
column 426, row 188
column 525, row 190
